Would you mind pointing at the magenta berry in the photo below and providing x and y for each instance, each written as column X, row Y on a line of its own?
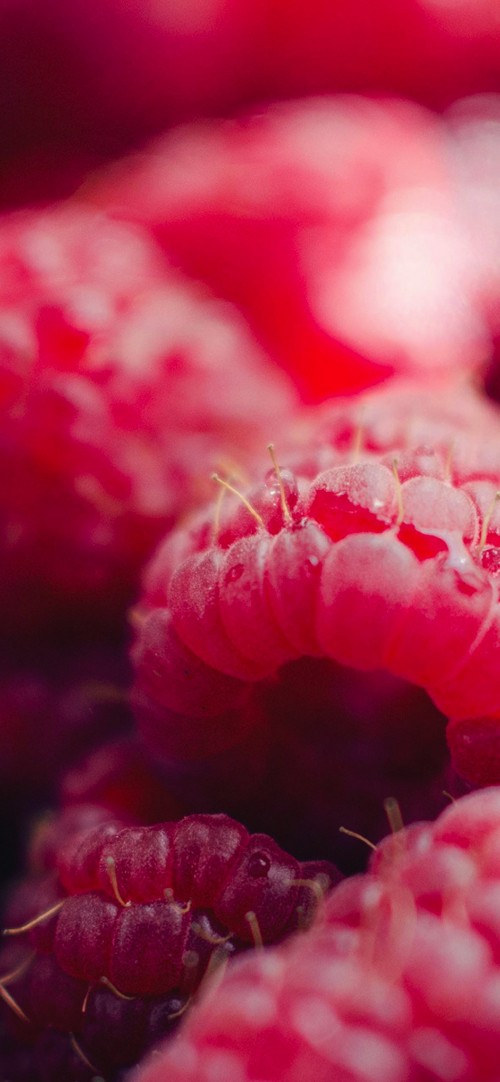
column 76, row 697
column 396, row 979
column 116, row 945
column 121, row 777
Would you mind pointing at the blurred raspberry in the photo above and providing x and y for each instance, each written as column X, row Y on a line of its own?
column 64, row 91
column 121, row 386
column 332, row 222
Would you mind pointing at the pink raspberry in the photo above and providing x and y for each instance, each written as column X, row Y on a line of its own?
column 120, row 385
column 397, row 979
column 104, row 956
column 333, row 224
column 369, row 548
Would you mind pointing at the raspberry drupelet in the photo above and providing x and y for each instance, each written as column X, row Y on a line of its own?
column 397, row 979
column 370, row 547
column 108, row 943
column 118, row 380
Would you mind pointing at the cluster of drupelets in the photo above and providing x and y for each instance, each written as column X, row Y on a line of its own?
column 251, row 606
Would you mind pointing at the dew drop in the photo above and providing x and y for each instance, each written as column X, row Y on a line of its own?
column 289, row 482
column 235, row 572
column 259, row 864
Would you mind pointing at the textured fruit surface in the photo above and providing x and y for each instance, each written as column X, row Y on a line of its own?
column 397, row 979
column 310, row 617
column 120, row 386
column 109, row 951
column 332, row 222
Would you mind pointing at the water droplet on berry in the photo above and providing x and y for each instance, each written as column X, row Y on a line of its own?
column 289, row 482
column 235, row 572
column 259, row 864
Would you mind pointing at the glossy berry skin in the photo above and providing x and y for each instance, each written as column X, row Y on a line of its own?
column 332, row 223
column 133, row 919
column 382, row 561
column 112, row 370
column 397, row 979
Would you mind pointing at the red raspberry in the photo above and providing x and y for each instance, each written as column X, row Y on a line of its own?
column 120, row 385
column 117, row 943
column 373, row 558
column 332, row 223
column 398, row 978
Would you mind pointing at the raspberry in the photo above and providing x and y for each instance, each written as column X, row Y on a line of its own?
column 331, row 223
column 119, row 775
column 117, row 943
column 397, row 979
column 117, row 394
column 376, row 567
column 76, row 698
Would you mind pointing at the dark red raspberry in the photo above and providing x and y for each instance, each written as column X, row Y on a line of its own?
column 397, row 979
column 75, row 696
column 121, row 776
column 115, row 945
column 121, row 386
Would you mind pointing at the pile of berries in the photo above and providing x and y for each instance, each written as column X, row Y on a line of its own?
column 250, row 543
